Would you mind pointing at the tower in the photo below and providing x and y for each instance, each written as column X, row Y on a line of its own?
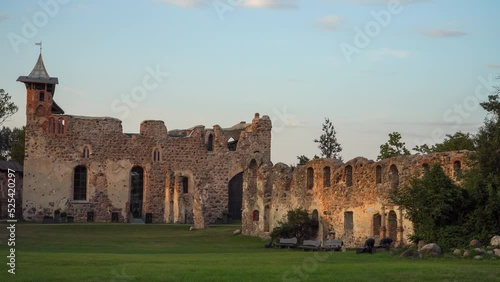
column 40, row 89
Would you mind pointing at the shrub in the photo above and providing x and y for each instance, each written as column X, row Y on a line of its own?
column 298, row 224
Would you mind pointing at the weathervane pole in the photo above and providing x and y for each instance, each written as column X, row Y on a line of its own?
column 39, row 44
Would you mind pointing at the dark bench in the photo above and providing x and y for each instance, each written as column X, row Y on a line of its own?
column 287, row 243
column 310, row 245
column 333, row 245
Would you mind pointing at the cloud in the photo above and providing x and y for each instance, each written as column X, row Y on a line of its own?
column 438, row 33
column 330, row 22
column 270, row 4
column 386, row 52
column 185, row 3
column 385, row 2
column 4, row 17
column 256, row 4
column 493, row 66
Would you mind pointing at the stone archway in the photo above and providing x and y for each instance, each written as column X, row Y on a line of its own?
column 235, row 196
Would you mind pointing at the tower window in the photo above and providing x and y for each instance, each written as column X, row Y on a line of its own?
column 156, row 155
column 52, row 125
column 41, row 96
column 60, row 126
column 86, row 152
column 185, row 184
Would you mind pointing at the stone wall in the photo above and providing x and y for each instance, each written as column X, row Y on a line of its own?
column 51, row 159
column 349, row 207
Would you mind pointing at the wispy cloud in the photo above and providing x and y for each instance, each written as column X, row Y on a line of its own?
column 270, row 4
column 185, row 3
column 3, row 17
column 257, row 4
column 438, row 33
column 387, row 52
column 493, row 66
column 330, row 22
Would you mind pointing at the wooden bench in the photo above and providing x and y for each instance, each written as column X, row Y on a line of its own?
column 333, row 245
column 287, row 243
column 310, row 245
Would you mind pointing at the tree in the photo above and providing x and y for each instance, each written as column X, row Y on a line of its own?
column 328, row 144
column 17, row 145
column 7, row 108
column 298, row 224
column 393, row 148
column 302, row 160
column 456, row 142
column 436, row 207
column 12, row 144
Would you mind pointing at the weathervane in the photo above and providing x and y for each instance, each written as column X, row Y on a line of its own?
column 39, row 44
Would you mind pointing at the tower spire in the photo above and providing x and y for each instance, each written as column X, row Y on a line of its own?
column 40, row 44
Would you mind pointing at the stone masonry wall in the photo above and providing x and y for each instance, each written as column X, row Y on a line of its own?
column 280, row 188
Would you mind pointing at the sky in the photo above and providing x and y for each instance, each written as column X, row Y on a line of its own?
column 418, row 67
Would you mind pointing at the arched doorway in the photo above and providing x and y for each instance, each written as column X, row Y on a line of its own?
column 136, row 191
column 393, row 225
column 377, row 225
column 235, row 196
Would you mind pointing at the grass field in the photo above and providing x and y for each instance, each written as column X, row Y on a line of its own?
column 124, row 252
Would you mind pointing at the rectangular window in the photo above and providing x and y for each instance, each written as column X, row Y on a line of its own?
column 185, row 184
column 114, row 217
column 41, row 96
column 348, row 222
column 80, row 184
column 90, row 216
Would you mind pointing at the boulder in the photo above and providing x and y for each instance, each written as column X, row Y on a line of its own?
column 475, row 243
column 495, row 241
column 457, row 252
column 410, row 253
column 479, row 251
column 478, row 257
column 431, row 249
column 192, row 228
column 466, row 254
column 497, row 252
column 490, row 253
column 237, row 232
column 420, row 244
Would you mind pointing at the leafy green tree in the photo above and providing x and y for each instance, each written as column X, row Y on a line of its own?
column 434, row 204
column 483, row 179
column 456, row 142
column 393, row 148
column 7, row 108
column 302, row 160
column 328, row 144
column 17, row 145
column 5, row 138
column 298, row 224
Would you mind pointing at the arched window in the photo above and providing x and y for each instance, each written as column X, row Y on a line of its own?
column 378, row 174
column 457, row 170
column 348, row 176
column 136, row 191
column 255, row 215
column 310, row 178
column 52, row 125
column 232, row 144
column 80, row 183
column 393, row 225
column 156, row 155
column 394, row 177
column 377, row 224
column 326, row 176
column 60, row 126
column 86, row 152
column 210, row 143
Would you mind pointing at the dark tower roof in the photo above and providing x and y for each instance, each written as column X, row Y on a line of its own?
column 39, row 74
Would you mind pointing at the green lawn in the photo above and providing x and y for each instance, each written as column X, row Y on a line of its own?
column 123, row 252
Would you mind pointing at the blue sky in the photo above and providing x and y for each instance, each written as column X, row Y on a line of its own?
column 421, row 70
